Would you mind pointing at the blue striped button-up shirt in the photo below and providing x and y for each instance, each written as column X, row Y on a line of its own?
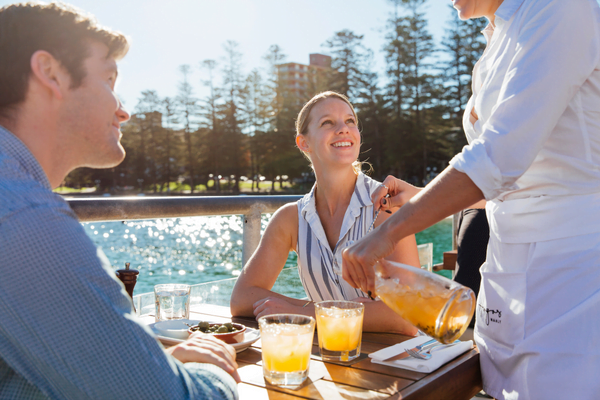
column 319, row 266
column 67, row 328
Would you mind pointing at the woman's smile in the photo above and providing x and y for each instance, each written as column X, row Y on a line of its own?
column 342, row 144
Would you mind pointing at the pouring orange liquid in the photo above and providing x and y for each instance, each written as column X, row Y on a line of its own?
column 437, row 306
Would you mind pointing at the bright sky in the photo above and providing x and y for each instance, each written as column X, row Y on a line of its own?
column 166, row 34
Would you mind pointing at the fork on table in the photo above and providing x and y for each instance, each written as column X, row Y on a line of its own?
column 425, row 354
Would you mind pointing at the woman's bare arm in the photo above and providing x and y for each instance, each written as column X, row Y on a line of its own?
column 263, row 268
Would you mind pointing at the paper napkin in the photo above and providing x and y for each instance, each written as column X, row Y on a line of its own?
column 439, row 356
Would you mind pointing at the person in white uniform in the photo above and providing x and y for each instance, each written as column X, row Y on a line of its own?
column 533, row 126
column 337, row 211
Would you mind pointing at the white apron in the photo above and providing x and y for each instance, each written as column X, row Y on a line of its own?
column 538, row 310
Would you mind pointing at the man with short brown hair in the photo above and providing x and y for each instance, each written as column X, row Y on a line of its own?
column 67, row 328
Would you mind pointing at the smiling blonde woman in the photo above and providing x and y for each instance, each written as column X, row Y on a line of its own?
column 337, row 211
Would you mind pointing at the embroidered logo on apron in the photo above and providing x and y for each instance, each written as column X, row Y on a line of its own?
column 496, row 315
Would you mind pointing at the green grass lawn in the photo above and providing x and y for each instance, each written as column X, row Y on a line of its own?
column 65, row 189
column 246, row 186
column 176, row 187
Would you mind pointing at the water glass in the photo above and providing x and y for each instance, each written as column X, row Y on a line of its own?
column 172, row 301
column 436, row 305
column 426, row 256
column 286, row 346
column 339, row 326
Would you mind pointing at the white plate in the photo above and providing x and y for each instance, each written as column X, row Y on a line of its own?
column 174, row 328
column 250, row 336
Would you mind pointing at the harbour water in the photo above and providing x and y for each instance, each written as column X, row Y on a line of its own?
column 204, row 249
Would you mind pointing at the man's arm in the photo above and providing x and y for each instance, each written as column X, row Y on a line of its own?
column 67, row 326
column 448, row 193
column 531, row 101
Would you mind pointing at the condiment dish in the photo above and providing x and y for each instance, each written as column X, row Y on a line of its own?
column 229, row 337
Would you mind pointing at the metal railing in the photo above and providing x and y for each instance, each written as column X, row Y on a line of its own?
column 135, row 208
column 219, row 292
column 249, row 207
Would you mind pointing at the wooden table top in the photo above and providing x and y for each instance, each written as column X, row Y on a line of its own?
column 459, row 379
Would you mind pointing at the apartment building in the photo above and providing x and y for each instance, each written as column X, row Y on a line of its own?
column 301, row 81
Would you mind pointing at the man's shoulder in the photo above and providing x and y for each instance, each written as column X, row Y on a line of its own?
column 19, row 191
column 536, row 10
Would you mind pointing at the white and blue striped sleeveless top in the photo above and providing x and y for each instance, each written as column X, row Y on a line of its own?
column 319, row 267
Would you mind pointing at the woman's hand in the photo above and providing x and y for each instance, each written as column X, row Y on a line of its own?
column 276, row 305
column 400, row 193
column 203, row 348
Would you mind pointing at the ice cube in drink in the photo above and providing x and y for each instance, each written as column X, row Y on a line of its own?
column 437, row 306
column 286, row 348
column 339, row 326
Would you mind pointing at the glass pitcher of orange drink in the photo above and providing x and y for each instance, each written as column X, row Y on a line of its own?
column 439, row 307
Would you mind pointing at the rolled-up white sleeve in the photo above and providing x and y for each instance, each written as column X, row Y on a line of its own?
column 556, row 49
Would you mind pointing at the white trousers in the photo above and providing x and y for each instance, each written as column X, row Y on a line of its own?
column 538, row 319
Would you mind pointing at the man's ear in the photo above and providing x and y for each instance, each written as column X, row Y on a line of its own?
column 302, row 143
column 49, row 73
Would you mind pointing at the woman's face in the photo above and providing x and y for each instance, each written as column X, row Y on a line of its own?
column 468, row 9
column 332, row 136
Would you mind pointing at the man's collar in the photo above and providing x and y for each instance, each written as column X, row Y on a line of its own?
column 13, row 147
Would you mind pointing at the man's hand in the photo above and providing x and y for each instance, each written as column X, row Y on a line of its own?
column 450, row 192
column 358, row 260
column 400, row 193
column 275, row 305
column 203, row 348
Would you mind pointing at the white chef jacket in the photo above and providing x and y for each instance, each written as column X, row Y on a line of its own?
column 536, row 144
column 535, row 154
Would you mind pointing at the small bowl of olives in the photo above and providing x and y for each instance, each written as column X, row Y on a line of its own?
column 228, row 332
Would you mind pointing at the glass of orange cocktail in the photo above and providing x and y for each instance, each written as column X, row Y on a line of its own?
column 286, row 346
column 339, row 326
column 436, row 305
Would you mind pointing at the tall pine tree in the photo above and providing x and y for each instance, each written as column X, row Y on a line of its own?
column 213, row 144
column 233, row 88
column 188, row 107
column 349, row 58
